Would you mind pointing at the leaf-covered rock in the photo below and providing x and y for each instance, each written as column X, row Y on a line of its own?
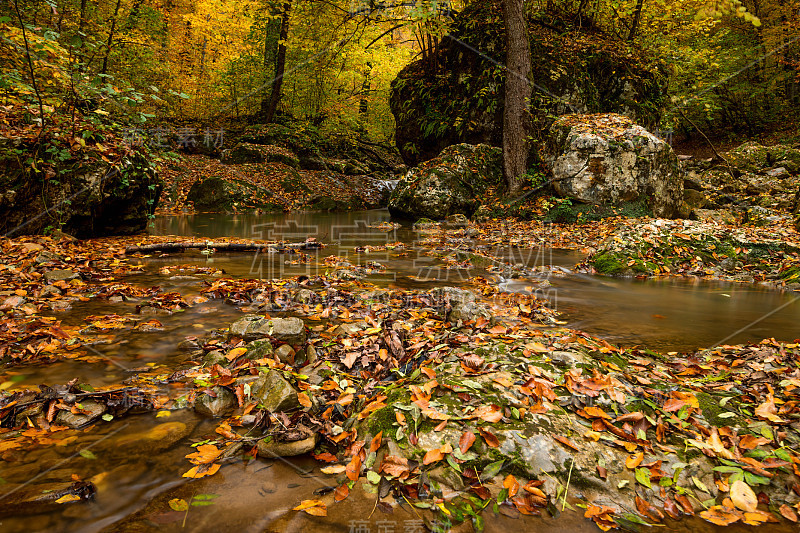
column 451, row 183
column 606, row 159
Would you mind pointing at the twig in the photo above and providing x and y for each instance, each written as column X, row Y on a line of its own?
column 713, row 148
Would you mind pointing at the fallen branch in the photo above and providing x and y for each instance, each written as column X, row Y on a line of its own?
column 224, row 246
column 717, row 156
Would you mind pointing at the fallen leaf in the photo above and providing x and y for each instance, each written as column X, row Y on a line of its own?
column 743, row 496
column 634, row 460
column 466, row 441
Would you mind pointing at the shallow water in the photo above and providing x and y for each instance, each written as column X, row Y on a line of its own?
column 137, row 476
column 665, row 315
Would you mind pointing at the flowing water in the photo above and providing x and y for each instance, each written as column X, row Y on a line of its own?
column 137, row 462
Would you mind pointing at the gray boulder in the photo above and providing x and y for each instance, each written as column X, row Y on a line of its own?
column 215, row 406
column 251, row 327
column 215, row 194
column 606, row 159
column 273, row 392
column 453, row 182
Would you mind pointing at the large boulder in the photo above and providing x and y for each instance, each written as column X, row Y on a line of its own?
column 453, row 182
column 254, row 153
column 84, row 198
column 217, row 194
column 456, row 95
column 606, row 159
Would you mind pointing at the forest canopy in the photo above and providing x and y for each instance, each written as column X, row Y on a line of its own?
column 734, row 63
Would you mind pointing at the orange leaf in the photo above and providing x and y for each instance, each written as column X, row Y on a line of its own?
column 428, row 372
column 236, row 352
column 743, row 496
column 720, row 515
column 788, row 513
column 202, row 471
column 304, row 400
column 206, row 453
column 312, row 507
column 466, row 441
column 491, row 440
column 566, row 442
column 511, row 483
column 488, row 413
column 354, row 468
column 376, row 442
column 634, row 460
column 595, row 412
column 433, row 456
column 341, row 492
column 400, row 417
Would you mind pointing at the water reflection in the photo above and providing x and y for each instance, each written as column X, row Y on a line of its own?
column 665, row 315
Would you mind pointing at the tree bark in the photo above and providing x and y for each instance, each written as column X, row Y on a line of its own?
column 268, row 107
column 104, row 70
column 517, row 95
column 637, row 17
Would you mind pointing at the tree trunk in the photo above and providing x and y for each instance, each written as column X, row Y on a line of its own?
column 637, row 17
column 104, row 70
column 517, row 95
column 268, row 107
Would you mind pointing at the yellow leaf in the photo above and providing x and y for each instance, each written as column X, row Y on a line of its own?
column 743, row 496
column 333, row 469
column 68, row 498
column 202, row 471
column 162, row 414
column 312, row 507
column 236, row 352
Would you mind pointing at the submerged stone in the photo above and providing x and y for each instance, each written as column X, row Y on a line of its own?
column 269, row 448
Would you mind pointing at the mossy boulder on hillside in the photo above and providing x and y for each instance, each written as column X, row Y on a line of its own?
column 254, row 153
column 82, row 195
column 457, row 95
column 453, row 182
column 217, row 194
column 753, row 157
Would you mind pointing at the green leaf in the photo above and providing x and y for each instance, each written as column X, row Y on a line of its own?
column 727, row 469
column 452, row 462
column 87, row 454
column 202, row 504
column 753, row 479
column 108, row 417
column 643, row 477
column 373, row 477
column 700, row 485
column 206, row 496
column 491, row 470
column 781, row 453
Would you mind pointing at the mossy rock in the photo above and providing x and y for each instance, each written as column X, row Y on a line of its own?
column 217, row 194
column 294, row 183
column 712, row 411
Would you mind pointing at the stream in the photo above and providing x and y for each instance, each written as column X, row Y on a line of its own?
column 137, row 462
